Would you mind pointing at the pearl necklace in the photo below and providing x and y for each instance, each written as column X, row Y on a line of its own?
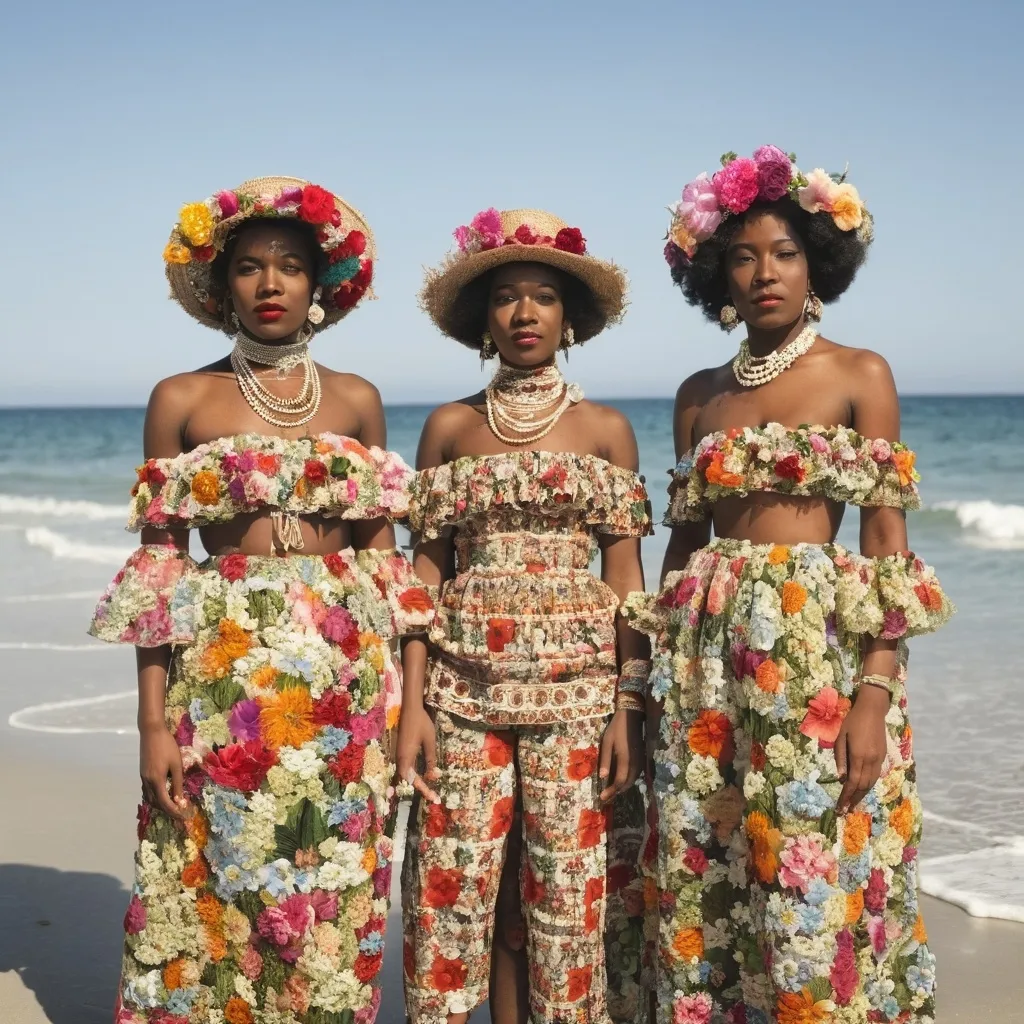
column 515, row 398
column 303, row 407
column 753, row 371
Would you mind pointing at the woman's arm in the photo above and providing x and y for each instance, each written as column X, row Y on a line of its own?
column 373, row 433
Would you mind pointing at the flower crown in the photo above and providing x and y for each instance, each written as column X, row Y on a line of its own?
column 768, row 176
column 485, row 231
column 203, row 229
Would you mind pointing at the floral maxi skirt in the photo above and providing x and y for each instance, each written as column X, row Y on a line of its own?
column 270, row 904
column 771, row 908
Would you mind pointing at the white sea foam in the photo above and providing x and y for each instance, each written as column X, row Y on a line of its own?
column 988, row 523
column 16, row 504
column 73, row 595
column 986, row 883
column 21, row 645
column 74, row 717
column 60, row 546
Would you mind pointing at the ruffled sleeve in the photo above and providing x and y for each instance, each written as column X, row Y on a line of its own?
column 140, row 606
column 893, row 598
column 411, row 601
column 603, row 496
column 646, row 612
column 686, row 503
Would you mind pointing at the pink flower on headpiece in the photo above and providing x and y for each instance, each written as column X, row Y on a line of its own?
column 736, row 185
column 773, row 171
column 816, row 195
column 228, row 202
column 288, row 197
column 699, row 208
column 487, row 224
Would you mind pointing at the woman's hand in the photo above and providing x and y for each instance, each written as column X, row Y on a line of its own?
column 622, row 750
column 861, row 746
column 160, row 757
column 416, row 736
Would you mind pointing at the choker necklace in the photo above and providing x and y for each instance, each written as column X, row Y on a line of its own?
column 300, row 409
column 516, row 398
column 753, row 371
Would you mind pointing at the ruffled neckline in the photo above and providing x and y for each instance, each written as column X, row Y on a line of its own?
column 325, row 474
column 551, row 485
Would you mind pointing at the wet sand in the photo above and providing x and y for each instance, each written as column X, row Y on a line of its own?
column 66, row 843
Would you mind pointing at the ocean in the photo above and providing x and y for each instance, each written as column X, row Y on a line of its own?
column 64, row 477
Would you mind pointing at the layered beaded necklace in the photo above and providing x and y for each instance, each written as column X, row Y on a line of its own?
column 752, row 371
column 517, row 396
column 280, row 412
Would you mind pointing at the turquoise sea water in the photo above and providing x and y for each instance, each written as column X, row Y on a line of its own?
column 64, row 477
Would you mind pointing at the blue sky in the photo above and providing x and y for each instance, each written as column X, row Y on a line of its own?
column 422, row 114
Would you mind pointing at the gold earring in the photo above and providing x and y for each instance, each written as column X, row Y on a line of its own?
column 316, row 311
column 813, row 308
column 486, row 347
column 728, row 317
column 568, row 337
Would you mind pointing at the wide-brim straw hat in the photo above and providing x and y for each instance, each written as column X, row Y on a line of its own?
column 494, row 238
column 203, row 230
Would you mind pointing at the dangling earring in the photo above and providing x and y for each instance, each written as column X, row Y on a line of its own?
column 813, row 308
column 486, row 347
column 568, row 337
column 728, row 318
column 316, row 311
column 306, row 334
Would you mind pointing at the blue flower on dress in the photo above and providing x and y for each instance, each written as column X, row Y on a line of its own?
column 373, row 943
column 195, row 710
column 278, row 878
column 660, row 680
column 225, row 807
column 812, row 919
column 180, row 1000
column 804, row 798
column 818, row 892
column 332, row 739
column 853, row 871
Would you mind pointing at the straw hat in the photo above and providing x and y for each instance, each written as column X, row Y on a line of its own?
column 496, row 237
column 203, row 230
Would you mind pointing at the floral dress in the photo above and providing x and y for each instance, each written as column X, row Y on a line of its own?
column 772, row 907
column 270, row 904
column 522, row 682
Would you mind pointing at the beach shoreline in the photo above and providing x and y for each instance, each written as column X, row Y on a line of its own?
column 65, row 868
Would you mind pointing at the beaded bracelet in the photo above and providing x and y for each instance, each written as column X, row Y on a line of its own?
column 886, row 683
column 625, row 700
column 634, row 675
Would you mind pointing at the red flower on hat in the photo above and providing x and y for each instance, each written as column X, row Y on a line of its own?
column 317, row 205
column 524, row 236
column 571, row 240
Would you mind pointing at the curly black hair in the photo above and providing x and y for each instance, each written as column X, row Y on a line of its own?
column 833, row 256
column 469, row 312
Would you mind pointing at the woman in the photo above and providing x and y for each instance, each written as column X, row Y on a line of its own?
column 534, row 687
column 788, row 812
column 266, row 684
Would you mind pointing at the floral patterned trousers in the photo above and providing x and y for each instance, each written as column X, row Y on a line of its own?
column 454, row 861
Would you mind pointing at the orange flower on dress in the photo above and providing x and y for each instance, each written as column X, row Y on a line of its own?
column 794, row 597
column 286, row 719
column 500, row 633
column 197, row 830
column 688, row 943
column 498, row 748
column 265, row 677
column 194, row 874
column 593, row 893
column 232, row 643
column 590, row 829
column 582, row 763
column 237, row 1011
column 778, row 555
column 579, row 982
column 856, row 830
column 767, row 676
column 802, row 1008
column 447, row 975
column 711, row 735
column 716, row 474
column 930, row 597
column 206, row 488
column 920, row 933
column 854, row 906
column 825, row 714
column 501, row 816
column 172, row 975
column 209, row 909
column 415, row 599
column 904, row 463
column 901, row 819
column 765, row 843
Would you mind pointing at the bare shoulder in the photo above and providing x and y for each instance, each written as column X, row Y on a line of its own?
column 862, row 367
column 612, row 433
column 443, row 426
column 700, row 386
column 182, row 392
column 355, row 390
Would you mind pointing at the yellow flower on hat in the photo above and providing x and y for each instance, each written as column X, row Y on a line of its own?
column 847, row 208
column 196, row 223
column 681, row 235
column 175, row 252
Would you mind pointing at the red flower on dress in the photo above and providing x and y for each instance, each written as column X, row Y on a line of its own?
column 590, row 828
column 443, row 887
column 333, row 708
column 347, row 765
column 579, row 982
column 533, row 888
column 317, row 205
column 232, row 567
column 500, row 632
column 790, row 468
column 501, row 816
column 571, row 240
column 582, row 763
column 415, row 599
column 367, row 966
column 555, row 476
column 436, row 823
column 594, row 892
column 498, row 748
column 447, row 975
column 824, row 717
column 241, row 766
column 336, row 565
column 315, row 472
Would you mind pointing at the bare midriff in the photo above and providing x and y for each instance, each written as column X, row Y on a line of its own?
column 253, row 533
column 770, row 518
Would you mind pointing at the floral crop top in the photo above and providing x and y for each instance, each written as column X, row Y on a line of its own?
column 827, row 462
column 530, row 486
column 327, row 475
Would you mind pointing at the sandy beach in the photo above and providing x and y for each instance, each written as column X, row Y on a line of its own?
column 66, row 850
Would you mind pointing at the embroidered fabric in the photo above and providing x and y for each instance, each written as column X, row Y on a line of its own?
column 327, row 475
column 827, row 462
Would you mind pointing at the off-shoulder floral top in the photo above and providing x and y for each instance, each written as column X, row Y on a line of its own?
column 524, row 633
column 826, row 462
